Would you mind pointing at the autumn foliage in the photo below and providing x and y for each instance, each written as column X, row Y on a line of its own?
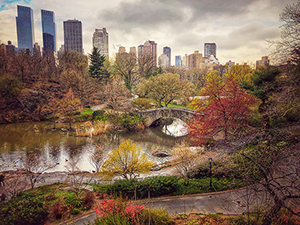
column 226, row 108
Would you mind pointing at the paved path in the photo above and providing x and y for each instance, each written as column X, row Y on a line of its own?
column 228, row 202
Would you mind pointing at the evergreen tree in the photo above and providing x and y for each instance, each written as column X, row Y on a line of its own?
column 96, row 67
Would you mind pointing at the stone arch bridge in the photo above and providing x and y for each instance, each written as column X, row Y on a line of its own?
column 153, row 115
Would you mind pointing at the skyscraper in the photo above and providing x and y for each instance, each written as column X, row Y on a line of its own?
column 210, row 49
column 49, row 31
column 178, row 61
column 100, row 41
column 25, row 28
column 149, row 48
column 167, row 52
column 73, row 36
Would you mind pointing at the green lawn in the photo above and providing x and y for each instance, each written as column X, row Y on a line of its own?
column 86, row 111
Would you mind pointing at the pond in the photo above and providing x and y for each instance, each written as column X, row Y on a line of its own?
column 18, row 141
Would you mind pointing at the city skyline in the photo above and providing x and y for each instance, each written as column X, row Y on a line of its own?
column 239, row 29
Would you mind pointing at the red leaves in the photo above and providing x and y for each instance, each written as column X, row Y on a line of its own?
column 227, row 109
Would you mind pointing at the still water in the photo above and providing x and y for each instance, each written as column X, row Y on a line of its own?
column 17, row 141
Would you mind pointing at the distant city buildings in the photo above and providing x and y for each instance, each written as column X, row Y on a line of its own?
column 163, row 60
column 100, row 41
column 10, row 48
column 167, row 52
column 210, row 49
column 178, row 61
column 132, row 50
column 122, row 49
column 25, row 27
column 149, row 48
column 73, row 35
column 263, row 62
column 49, row 31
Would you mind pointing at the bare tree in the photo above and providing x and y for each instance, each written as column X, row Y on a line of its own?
column 145, row 65
column 185, row 159
column 97, row 158
column 35, row 166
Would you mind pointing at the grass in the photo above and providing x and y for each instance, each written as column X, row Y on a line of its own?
column 86, row 111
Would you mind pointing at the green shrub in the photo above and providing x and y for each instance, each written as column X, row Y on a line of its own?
column 156, row 217
column 73, row 200
column 25, row 209
column 99, row 115
column 141, row 103
column 75, row 211
column 129, row 121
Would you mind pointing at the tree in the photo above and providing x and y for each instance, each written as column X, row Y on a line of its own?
column 165, row 88
column 127, row 161
column 264, row 84
column 290, row 34
column 185, row 159
column 125, row 66
column 97, row 158
column 226, row 109
column 116, row 93
column 96, row 66
column 34, row 166
column 145, row 65
column 240, row 73
column 67, row 106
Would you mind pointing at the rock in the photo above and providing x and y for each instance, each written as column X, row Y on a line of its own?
column 155, row 168
column 160, row 154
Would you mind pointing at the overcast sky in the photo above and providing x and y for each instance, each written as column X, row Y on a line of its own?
column 240, row 28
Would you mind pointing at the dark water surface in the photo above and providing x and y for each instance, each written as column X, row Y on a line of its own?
column 20, row 140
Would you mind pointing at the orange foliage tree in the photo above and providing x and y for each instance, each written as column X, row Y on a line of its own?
column 226, row 108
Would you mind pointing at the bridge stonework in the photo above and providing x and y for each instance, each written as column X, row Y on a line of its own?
column 152, row 115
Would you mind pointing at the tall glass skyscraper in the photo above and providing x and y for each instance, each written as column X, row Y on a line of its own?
column 49, row 34
column 25, row 28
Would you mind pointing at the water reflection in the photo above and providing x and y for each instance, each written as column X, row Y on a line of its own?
column 21, row 140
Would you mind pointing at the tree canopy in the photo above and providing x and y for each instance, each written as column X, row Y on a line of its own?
column 96, row 68
column 127, row 161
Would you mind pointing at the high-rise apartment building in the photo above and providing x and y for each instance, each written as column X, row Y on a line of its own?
column 25, row 28
column 178, row 61
column 100, row 41
column 167, row 52
column 73, row 36
column 149, row 48
column 49, row 31
column 210, row 49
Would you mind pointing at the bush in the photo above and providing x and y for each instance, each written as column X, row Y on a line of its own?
column 23, row 210
column 129, row 121
column 75, row 211
column 99, row 115
column 74, row 201
column 117, row 212
column 88, row 199
column 141, row 103
column 157, row 186
column 156, row 216
column 58, row 208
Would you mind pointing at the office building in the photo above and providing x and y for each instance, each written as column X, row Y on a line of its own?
column 178, row 61
column 122, row 49
column 25, row 27
column 149, row 48
column 73, row 36
column 37, row 50
column 49, row 31
column 167, row 52
column 210, row 49
column 100, row 41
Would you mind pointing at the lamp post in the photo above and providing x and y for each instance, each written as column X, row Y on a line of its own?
column 210, row 174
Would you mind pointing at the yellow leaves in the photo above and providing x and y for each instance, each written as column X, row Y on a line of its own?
column 127, row 161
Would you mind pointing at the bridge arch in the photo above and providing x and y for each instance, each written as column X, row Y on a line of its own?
column 152, row 115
